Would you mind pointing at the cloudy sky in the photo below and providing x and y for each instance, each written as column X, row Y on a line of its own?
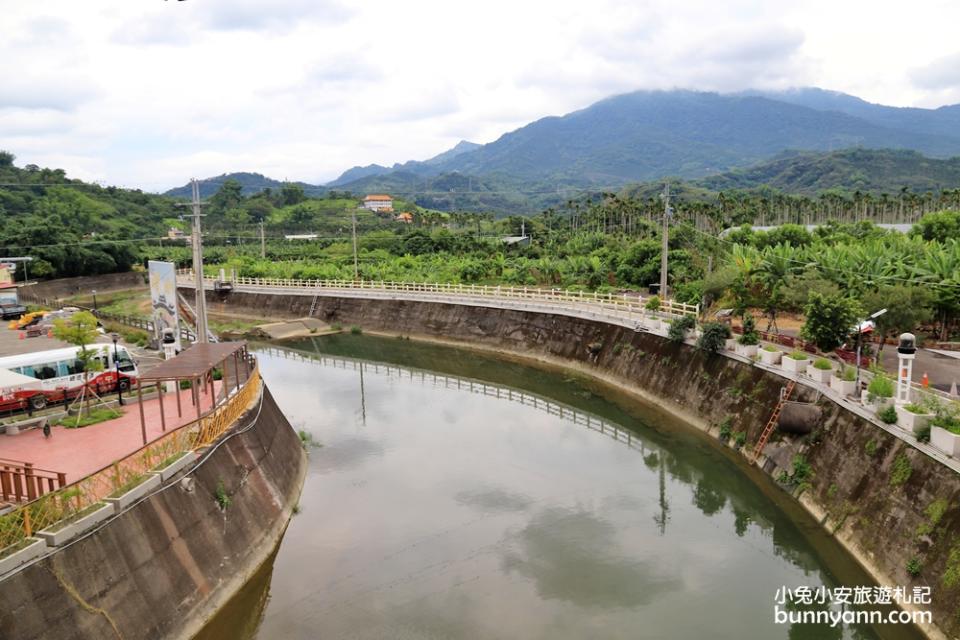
column 148, row 93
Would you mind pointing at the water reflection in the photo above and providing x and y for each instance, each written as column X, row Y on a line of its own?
column 469, row 497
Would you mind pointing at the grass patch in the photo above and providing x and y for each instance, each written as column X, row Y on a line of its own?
column 93, row 417
column 169, row 461
column 901, row 471
column 934, row 513
column 12, row 549
column 870, row 448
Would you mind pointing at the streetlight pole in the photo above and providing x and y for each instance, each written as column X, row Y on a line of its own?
column 94, row 292
column 860, row 328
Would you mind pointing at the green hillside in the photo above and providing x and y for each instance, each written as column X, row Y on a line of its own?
column 865, row 170
column 71, row 227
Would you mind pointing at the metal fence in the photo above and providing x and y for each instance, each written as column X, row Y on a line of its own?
column 631, row 303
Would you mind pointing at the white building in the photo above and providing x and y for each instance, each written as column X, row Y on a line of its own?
column 378, row 202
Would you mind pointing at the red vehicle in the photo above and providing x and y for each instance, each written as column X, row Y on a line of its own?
column 60, row 375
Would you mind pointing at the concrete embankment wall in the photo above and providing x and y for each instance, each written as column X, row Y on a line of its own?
column 83, row 285
column 163, row 567
column 855, row 488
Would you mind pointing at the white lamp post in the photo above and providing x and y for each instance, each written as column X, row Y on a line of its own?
column 865, row 327
column 906, row 352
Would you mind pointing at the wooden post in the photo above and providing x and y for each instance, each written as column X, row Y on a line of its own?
column 28, row 475
column 236, row 369
column 195, row 392
column 163, row 419
column 179, row 409
column 143, row 421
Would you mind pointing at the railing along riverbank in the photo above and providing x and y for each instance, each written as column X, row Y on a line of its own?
column 73, row 500
column 622, row 305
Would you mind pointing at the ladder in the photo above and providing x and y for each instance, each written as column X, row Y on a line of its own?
column 772, row 423
column 313, row 305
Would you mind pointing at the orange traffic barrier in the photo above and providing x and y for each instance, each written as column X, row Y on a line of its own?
column 925, row 381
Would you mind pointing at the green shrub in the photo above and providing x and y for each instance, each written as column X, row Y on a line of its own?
column 714, row 337
column 881, row 386
column 726, row 428
column 770, row 348
column 653, row 304
column 901, row 470
column 679, row 327
column 848, row 374
column 750, row 336
column 822, row 364
column 355, row 330
column 948, row 422
column 870, row 448
column 923, row 433
column 798, row 355
column 888, row 415
column 222, row 497
column 914, row 567
column 185, row 384
column 740, row 439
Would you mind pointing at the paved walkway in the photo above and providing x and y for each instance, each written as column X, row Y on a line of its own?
column 80, row 452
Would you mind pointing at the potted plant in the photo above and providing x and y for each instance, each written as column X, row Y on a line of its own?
column 794, row 362
column 769, row 354
column 844, row 381
column 880, row 392
column 913, row 417
column 820, row 370
column 945, row 433
column 681, row 328
column 748, row 341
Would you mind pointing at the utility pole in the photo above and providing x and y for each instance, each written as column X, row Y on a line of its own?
column 200, row 302
column 356, row 269
column 667, row 214
column 263, row 243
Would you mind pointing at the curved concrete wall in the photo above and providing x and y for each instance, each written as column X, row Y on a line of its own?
column 163, row 567
column 852, row 490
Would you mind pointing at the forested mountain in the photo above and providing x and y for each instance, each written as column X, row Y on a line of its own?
column 849, row 170
column 649, row 134
column 71, row 227
column 944, row 121
column 424, row 167
column 251, row 183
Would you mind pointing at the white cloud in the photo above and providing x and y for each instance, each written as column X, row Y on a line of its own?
column 148, row 94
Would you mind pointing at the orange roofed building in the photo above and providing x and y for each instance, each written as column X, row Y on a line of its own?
column 378, row 202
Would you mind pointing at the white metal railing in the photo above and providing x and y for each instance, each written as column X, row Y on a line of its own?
column 620, row 304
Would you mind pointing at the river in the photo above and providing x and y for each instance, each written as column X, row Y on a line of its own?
column 452, row 494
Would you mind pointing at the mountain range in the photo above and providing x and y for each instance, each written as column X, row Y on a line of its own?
column 648, row 135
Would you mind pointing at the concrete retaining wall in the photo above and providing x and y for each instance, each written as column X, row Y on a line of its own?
column 163, row 567
column 66, row 287
column 854, row 489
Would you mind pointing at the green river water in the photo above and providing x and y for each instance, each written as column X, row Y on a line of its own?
column 456, row 495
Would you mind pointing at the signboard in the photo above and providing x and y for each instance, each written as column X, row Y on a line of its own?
column 163, row 295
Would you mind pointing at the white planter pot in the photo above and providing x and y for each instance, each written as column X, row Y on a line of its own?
column 946, row 441
column 151, row 482
column 819, row 375
column 770, row 357
column 747, row 350
column 730, row 344
column 36, row 548
column 843, row 387
column 912, row 422
column 57, row 537
column 793, row 366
